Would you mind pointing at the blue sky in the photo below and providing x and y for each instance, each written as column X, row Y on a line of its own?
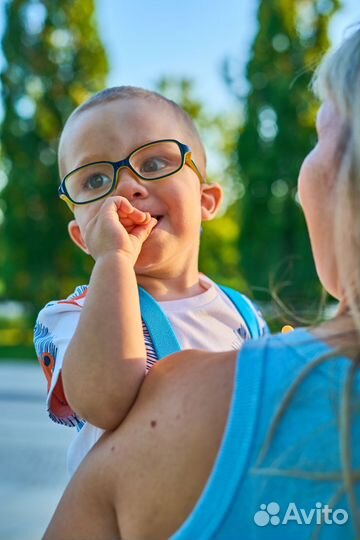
column 146, row 40
column 189, row 38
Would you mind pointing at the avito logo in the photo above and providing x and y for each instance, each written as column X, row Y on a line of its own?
column 321, row 514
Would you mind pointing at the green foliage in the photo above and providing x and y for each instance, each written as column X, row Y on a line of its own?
column 219, row 251
column 277, row 134
column 54, row 60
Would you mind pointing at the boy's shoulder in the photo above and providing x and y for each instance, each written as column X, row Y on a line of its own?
column 76, row 298
column 58, row 318
column 73, row 302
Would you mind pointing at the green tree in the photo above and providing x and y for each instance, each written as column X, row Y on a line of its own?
column 219, row 253
column 54, row 60
column 277, row 134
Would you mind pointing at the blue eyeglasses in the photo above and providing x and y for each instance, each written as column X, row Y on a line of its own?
column 150, row 162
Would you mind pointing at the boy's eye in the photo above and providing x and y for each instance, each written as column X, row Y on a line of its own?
column 153, row 164
column 97, row 181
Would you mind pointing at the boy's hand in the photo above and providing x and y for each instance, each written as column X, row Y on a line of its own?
column 118, row 227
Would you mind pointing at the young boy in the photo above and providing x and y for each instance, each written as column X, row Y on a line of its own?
column 133, row 169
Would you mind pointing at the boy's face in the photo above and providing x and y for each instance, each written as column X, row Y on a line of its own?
column 111, row 131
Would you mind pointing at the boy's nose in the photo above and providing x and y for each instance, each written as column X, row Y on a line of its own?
column 129, row 185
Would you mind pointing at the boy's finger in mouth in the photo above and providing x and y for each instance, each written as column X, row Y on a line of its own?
column 158, row 219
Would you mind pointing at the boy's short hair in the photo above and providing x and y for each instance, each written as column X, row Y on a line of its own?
column 132, row 92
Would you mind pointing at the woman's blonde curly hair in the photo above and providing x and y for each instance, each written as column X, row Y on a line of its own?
column 338, row 80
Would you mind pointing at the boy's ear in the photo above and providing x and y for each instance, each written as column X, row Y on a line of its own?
column 211, row 198
column 76, row 236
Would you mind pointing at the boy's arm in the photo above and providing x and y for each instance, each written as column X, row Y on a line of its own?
column 105, row 362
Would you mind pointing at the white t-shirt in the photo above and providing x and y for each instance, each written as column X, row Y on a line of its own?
column 208, row 321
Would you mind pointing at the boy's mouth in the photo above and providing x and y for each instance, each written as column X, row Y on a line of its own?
column 158, row 218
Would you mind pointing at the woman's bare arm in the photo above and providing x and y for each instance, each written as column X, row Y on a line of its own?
column 143, row 479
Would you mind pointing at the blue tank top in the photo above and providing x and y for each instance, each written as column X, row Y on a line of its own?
column 294, row 489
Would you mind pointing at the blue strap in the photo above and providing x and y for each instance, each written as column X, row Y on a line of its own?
column 162, row 335
column 245, row 309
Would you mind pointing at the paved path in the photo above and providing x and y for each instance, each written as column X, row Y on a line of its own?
column 32, row 454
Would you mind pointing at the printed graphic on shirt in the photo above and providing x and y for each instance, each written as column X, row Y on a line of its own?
column 46, row 350
column 241, row 335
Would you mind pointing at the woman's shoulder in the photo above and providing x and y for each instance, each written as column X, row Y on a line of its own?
column 299, row 339
column 300, row 346
column 283, row 358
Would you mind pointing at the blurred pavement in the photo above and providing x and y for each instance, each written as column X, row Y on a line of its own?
column 32, row 453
